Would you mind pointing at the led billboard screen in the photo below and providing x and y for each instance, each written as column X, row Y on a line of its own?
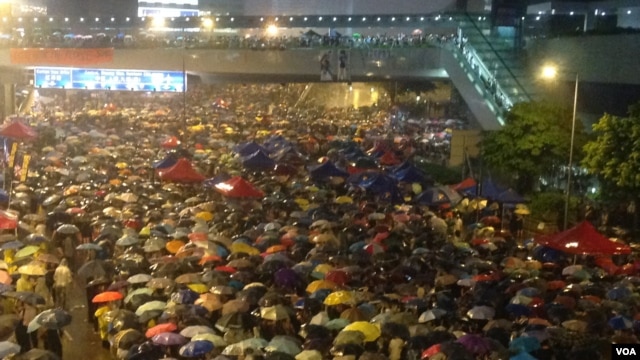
column 108, row 79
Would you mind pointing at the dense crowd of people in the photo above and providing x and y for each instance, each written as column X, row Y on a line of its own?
column 261, row 228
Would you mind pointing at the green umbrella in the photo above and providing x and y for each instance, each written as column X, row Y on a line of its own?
column 141, row 291
column 356, row 35
column 151, row 306
column 240, row 348
column 27, row 251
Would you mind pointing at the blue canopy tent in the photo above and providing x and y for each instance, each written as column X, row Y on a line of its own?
column 407, row 172
column 376, row 182
column 488, row 189
column 248, row 148
column 325, row 170
column 165, row 163
column 257, row 161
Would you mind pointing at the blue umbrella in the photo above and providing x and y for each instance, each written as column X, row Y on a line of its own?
column 529, row 292
column 523, row 356
column 620, row 322
column 196, row 348
column 524, row 344
column 185, row 296
column 320, row 294
column 168, row 339
column 15, row 244
column 518, row 310
column 618, row 293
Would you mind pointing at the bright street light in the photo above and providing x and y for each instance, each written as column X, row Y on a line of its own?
column 157, row 22
column 207, row 23
column 550, row 72
column 272, row 30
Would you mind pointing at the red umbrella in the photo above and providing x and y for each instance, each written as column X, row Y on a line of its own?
column 432, row 350
column 158, row 329
column 237, row 187
column 170, row 143
column 490, row 221
column 107, row 296
column 337, row 276
column 8, row 220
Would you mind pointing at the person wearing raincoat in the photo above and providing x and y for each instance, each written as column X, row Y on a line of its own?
column 62, row 279
column 24, row 283
column 103, row 323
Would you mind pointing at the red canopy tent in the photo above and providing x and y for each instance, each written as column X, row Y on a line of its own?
column 182, row 172
column 19, row 131
column 583, row 239
column 237, row 187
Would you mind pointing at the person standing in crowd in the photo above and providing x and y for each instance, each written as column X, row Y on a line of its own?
column 62, row 280
column 325, row 67
column 342, row 66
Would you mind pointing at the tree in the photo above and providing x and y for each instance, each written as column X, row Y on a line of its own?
column 614, row 154
column 533, row 143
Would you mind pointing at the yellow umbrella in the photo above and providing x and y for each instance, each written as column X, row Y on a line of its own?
column 204, row 215
column 344, row 200
column 320, row 285
column 26, row 251
column 340, row 298
column 32, row 270
column 145, row 231
column 323, row 269
column 370, row 331
column 199, row 288
column 122, row 165
column 239, row 247
column 174, row 245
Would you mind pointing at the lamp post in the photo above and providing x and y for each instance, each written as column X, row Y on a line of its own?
column 551, row 72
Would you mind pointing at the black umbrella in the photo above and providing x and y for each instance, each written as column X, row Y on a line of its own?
column 26, row 297
column 122, row 319
column 236, row 320
column 393, row 330
column 53, row 319
column 93, row 269
column 125, row 339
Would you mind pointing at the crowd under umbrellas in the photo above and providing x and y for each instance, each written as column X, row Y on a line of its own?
column 267, row 231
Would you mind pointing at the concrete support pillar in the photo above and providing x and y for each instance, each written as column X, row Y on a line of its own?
column 8, row 96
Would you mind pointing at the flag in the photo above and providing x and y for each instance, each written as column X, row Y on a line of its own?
column 12, row 155
column 25, row 167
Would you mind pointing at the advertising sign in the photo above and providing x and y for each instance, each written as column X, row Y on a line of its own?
column 106, row 79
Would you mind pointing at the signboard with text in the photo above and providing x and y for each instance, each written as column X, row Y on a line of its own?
column 105, row 79
column 60, row 57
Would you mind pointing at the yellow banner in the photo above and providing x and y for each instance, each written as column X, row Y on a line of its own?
column 12, row 154
column 25, row 167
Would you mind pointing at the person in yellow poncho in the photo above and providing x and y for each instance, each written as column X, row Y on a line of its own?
column 103, row 323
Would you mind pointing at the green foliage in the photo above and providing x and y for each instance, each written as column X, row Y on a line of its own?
column 439, row 173
column 534, row 142
column 547, row 206
column 614, row 155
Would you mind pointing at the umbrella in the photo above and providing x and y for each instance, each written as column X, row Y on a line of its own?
column 26, row 297
column 524, row 343
column 8, row 348
column 196, row 348
column 240, row 348
column 370, row 331
column 67, row 229
column 620, row 322
column 274, row 313
column 191, row 331
column 160, row 283
column 339, row 298
column 125, row 339
column 475, row 344
column 107, row 296
column 432, row 314
column 481, row 313
column 50, row 319
column 216, row 340
column 155, row 305
column 27, row 251
column 236, row 320
column 48, row 258
column 284, row 344
column 92, row 269
column 160, row 328
column 168, row 339
column 139, row 279
column 32, row 270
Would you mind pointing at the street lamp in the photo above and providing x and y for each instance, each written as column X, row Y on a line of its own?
column 551, row 72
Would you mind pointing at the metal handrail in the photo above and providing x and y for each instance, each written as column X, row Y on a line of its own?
column 500, row 59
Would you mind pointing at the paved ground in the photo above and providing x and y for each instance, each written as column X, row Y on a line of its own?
column 86, row 343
